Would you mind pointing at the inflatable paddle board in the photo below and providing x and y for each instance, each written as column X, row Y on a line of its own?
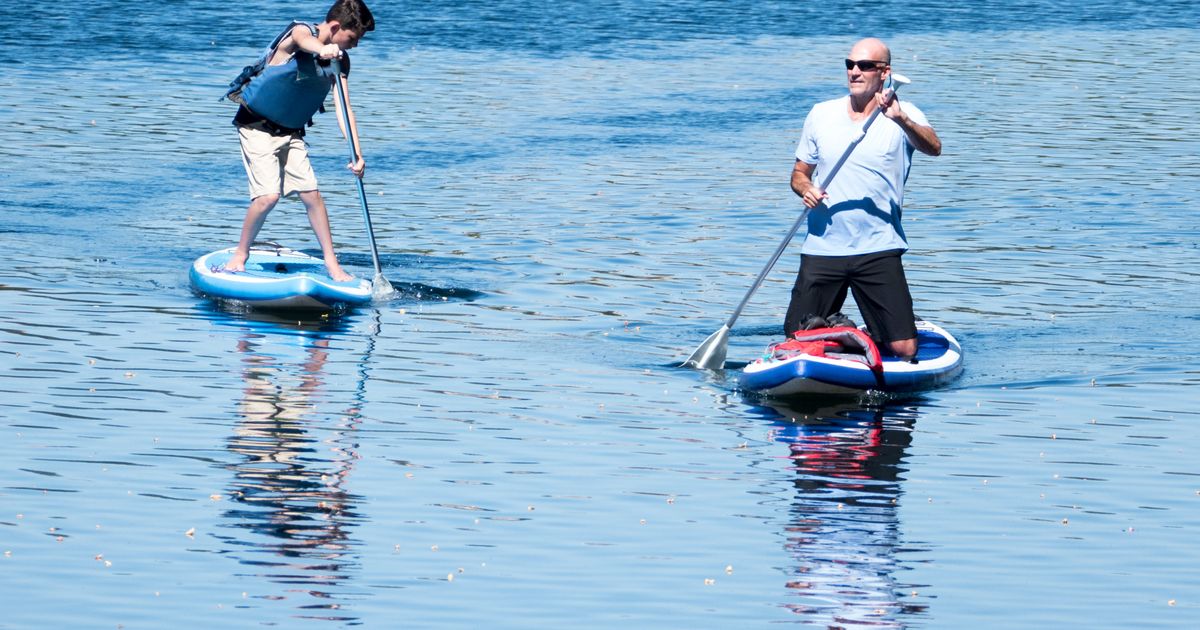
column 846, row 361
column 276, row 278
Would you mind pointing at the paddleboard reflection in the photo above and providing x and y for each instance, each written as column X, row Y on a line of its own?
column 843, row 532
column 293, row 513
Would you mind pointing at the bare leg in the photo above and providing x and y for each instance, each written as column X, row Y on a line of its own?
column 904, row 348
column 256, row 214
column 318, row 217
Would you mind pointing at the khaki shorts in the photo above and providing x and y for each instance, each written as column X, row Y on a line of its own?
column 275, row 165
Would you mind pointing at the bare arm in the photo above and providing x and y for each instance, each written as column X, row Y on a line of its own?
column 803, row 185
column 922, row 137
column 359, row 164
column 303, row 39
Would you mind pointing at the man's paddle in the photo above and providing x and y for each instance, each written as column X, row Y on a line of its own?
column 380, row 287
column 711, row 354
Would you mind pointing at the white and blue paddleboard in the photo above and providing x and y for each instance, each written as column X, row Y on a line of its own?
column 277, row 278
column 939, row 360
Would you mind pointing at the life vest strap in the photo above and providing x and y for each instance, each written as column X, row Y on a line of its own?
column 249, row 72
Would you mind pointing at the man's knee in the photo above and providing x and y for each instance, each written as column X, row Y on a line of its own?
column 905, row 348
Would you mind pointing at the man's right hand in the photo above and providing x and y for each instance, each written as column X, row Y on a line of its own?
column 813, row 196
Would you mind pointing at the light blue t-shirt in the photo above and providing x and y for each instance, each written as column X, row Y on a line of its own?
column 862, row 214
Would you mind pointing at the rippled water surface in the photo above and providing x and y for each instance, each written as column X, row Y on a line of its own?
column 571, row 198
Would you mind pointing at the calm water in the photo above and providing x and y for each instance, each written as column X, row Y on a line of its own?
column 571, row 199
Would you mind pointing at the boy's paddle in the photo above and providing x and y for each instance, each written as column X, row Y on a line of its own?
column 380, row 287
column 711, row 354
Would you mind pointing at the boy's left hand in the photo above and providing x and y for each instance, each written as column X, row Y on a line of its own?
column 358, row 168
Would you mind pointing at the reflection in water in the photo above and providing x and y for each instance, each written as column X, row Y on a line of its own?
column 289, row 487
column 843, row 533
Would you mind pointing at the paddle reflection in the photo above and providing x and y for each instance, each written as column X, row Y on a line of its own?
column 843, row 532
column 292, row 508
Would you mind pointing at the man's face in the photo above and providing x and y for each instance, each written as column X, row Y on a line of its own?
column 867, row 70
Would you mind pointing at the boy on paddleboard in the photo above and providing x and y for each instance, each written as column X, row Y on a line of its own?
column 855, row 240
column 277, row 98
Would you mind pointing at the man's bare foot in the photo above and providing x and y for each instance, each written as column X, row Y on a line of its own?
column 236, row 262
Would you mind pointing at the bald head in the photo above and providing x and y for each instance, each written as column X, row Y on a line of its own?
column 871, row 48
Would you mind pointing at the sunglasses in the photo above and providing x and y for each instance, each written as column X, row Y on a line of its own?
column 865, row 65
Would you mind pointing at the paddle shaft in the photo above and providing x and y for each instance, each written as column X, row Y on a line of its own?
column 362, row 193
column 762, row 275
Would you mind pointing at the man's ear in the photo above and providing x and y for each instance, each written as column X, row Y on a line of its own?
column 334, row 27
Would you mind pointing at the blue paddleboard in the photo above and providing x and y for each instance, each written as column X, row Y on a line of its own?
column 939, row 361
column 276, row 278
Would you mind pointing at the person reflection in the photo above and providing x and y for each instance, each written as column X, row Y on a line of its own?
column 843, row 532
column 291, row 504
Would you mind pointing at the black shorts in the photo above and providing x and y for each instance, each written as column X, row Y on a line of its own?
column 877, row 282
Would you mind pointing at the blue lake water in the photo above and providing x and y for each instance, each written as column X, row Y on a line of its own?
column 572, row 198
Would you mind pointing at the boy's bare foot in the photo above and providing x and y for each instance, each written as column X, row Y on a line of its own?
column 236, row 262
column 337, row 274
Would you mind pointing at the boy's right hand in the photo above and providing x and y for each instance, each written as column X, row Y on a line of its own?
column 329, row 51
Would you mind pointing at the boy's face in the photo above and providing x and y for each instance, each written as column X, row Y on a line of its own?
column 345, row 38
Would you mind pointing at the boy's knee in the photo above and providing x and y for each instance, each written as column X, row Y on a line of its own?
column 265, row 202
column 312, row 200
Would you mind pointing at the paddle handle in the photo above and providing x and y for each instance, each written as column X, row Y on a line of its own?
column 340, row 94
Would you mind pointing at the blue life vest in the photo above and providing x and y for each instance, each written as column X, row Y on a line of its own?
column 290, row 93
column 234, row 93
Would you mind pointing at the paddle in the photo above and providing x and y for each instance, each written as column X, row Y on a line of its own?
column 380, row 287
column 711, row 354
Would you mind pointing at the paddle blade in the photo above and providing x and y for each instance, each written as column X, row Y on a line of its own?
column 711, row 354
column 381, row 289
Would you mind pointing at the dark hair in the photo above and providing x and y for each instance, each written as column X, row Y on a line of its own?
column 353, row 15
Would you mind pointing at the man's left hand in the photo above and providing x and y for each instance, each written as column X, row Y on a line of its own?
column 887, row 101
